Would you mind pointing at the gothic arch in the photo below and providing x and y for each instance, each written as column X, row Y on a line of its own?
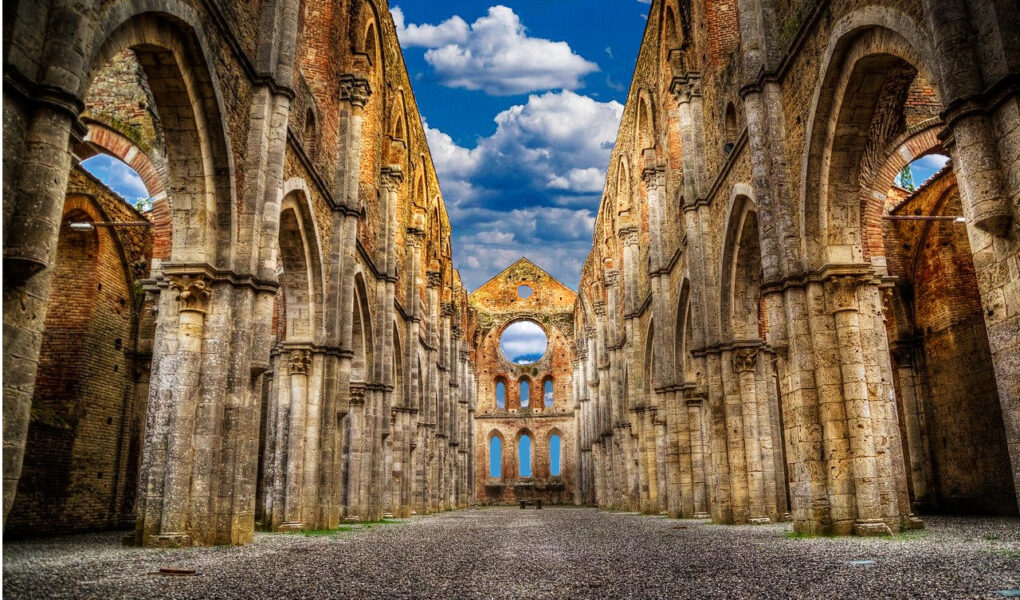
column 362, row 337
column 870, row 42
column 740, row 284
column 301, row 265
column 168, row 39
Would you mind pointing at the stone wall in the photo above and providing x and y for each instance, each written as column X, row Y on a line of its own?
column 310, row 340
column 496, row 306
column 740, row 365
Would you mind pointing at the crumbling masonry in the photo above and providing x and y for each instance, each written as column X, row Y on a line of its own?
column 282, row 338
column 766, row 327
column 756, row 339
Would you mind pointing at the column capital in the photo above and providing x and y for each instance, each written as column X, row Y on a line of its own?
column 194, row 291
column 449, row 309
column 629, row 236
column 841, row 292
column 610, row 276
column 435, row 279
column 686, row 86
column 391, row 176
column 745, row 359
column 354, row 90
column 298, row 362
column 599, row 307
column 357, row 392
column 415, row 237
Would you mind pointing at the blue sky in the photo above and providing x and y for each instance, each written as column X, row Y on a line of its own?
column 523, row 342
column 521, row 102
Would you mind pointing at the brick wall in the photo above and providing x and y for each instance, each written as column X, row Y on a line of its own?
column 82, row 442
column 970, row 465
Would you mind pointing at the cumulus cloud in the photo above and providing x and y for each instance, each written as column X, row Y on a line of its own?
column 494, row 54
column 451, row 31
column 531, row 188
column 523, row 342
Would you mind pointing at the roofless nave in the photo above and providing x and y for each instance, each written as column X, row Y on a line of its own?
column 767, row 328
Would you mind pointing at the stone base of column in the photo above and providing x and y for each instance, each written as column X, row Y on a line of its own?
column 912, row 521
column 702, row 515
column 787, row 517
column 292, row 526
column 759, row 520
column 169, row 540
column 871, row 528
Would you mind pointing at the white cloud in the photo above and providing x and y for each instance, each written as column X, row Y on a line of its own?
column 582, row 180
column 523, row 342
column 495, row 54
column 451, row 31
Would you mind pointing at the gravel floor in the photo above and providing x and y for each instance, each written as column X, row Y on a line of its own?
column 552, row 553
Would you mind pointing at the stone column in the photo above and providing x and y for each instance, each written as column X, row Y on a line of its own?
column 841, row 294
column 756, row 435
column 167, row 465
column 32, row 217
column 699, row 496
column 298, row 363
column 911, row 396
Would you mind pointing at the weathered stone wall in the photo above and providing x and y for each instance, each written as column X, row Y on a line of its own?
column 738, row 365
column 83, row 441
column 496, row 306
column 309, row 338
column 944, row 338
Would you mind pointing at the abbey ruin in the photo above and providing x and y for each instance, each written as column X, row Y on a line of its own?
column 768, row 327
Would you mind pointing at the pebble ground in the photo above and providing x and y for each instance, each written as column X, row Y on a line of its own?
column 570, row 553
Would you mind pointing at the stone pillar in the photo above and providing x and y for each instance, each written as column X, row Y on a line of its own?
column 32, row 217
column 841, row 294
column 911, row 397
column 757, row 435
column 699, row 496
column 298, row 363
column 165, row 480
column 975, row 155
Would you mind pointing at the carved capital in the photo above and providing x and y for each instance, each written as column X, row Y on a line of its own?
column 629, row 236
column 354, row 89
column 610, row 277
column 435, row 279
column 599, row 308
column 686, row 86
column 653, row 175
column 745, row 359
column 194, row 292
column 449, row 309
column 841, row 292
column 299, row 361
column 390, row 177
column 415, row 237
column 357, row 393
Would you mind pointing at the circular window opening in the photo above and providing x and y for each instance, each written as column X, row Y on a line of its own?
column 523, row 342
column 524, row 291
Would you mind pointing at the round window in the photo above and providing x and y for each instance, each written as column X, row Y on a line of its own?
column 523, row 342
column 525, row 291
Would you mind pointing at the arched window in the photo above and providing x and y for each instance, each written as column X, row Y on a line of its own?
column 731, row 128
column 554, row 455
column 524, row 456
column 309, row 139
column 547, row 394
column 495, row 457
column 525, row 393
column 500, row 394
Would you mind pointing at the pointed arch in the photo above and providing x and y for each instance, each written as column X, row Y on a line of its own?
column 363, row 336
column 169, row 42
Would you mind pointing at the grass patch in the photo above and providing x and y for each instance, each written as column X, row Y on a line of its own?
column 1009, row 553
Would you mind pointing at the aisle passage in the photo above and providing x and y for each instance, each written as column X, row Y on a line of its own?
column 549, row 553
